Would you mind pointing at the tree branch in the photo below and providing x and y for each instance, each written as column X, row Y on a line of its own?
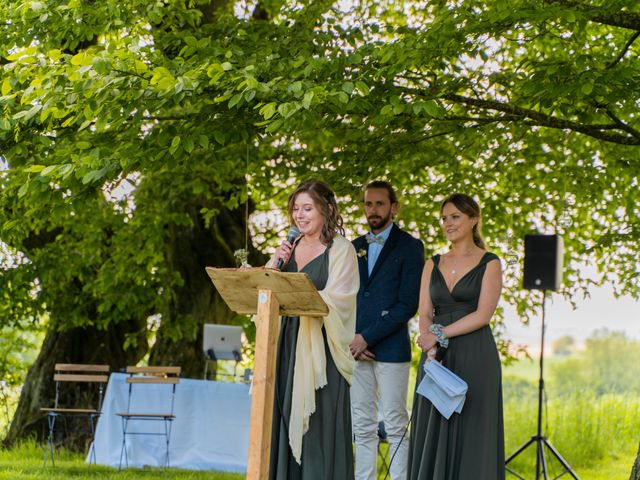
column 599, row 131
column 131, row 74
column 621, row 19
column 624, row 126
column 624, row 50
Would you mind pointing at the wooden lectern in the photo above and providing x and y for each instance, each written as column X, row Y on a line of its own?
column 269, row 294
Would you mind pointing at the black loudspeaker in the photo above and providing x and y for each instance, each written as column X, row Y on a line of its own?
column 542, row 262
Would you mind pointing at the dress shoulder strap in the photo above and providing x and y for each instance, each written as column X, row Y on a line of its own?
column 487, row 257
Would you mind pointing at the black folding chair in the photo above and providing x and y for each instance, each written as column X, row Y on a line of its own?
column 141, row 376
column 69, row 379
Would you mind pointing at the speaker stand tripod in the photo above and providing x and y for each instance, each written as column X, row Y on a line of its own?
column 539, row 440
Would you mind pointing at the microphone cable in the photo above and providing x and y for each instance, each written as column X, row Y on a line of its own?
column 406, row 429
column 440, row 353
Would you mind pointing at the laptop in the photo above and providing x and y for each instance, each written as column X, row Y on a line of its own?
column 222, row 342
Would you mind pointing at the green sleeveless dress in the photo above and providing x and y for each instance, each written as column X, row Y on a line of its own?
column 327, row 453
column 470, row 445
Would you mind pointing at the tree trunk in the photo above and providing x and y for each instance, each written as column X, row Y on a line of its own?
column 635, row 472
column 196, row 301
column 79, row 345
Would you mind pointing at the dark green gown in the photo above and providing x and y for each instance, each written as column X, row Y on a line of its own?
column 326, row 447
column 470, row 445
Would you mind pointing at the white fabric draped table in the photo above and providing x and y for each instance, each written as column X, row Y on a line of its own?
column 210, row 431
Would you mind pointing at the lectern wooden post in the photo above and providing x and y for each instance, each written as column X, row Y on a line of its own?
column 269, row 294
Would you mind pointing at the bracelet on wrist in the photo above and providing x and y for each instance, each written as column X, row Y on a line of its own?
column 441, row 337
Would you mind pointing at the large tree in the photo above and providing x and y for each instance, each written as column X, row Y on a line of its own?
column 134, row 133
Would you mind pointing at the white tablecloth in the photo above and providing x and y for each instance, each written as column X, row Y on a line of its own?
column 210, row 432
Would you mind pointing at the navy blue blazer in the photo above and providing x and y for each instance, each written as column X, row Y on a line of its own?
column 388, row 298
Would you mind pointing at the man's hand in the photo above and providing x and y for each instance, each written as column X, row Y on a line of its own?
column 358, row 346
column 366, row 356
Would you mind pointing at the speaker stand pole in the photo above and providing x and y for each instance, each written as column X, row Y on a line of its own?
column 539, row 439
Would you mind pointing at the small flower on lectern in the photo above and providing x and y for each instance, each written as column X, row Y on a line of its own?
column 241, row 257
column 362, row 253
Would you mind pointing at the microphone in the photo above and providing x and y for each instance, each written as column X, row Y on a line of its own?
column 291, row 237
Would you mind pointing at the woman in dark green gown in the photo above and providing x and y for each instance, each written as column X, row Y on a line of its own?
column 459, row 293
column 330, row 262
column 326, row 447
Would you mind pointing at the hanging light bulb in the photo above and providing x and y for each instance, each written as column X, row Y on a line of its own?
column 565, row 220
column 511, row 257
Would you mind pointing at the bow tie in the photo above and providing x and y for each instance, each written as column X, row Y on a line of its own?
column 371, row 238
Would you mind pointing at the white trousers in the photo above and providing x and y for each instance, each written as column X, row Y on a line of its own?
column 384, row 384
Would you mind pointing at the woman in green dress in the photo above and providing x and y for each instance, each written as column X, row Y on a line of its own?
column 311, row 438
column 458, row 295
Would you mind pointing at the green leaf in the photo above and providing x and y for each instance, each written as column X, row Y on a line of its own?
column 49, row 170
column 308, row 97
column 188, row 145
column 27, row 114
column 347, row 87
column 274, row 126
column 23, row 190
column 82, row 59
column 140, row 67
column 6, row 86
column 220, row 137
column 94, row 176
column 386, row 110
column 362, row 87
column 587, row 88
column 432, row 108
column 234, row 100
column 287, row 109
column 268, row 110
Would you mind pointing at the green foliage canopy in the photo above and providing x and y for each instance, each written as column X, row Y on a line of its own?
column 530, row 106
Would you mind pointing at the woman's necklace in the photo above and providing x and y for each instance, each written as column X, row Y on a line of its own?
column 312, row 246
column 454, row 263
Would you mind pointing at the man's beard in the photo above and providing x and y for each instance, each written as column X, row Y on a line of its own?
column 376, row 223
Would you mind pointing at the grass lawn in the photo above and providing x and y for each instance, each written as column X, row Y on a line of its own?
column 25, row 462
column 616, row 467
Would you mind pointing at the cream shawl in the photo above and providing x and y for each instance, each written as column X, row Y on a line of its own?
column 309, row 372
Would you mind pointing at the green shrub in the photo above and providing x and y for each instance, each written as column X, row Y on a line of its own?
column 609, row 364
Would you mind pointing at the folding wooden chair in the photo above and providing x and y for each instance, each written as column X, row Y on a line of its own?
column 141, row 376
column 67, row 398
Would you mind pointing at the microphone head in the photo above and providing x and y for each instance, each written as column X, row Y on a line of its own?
column 293, row 233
